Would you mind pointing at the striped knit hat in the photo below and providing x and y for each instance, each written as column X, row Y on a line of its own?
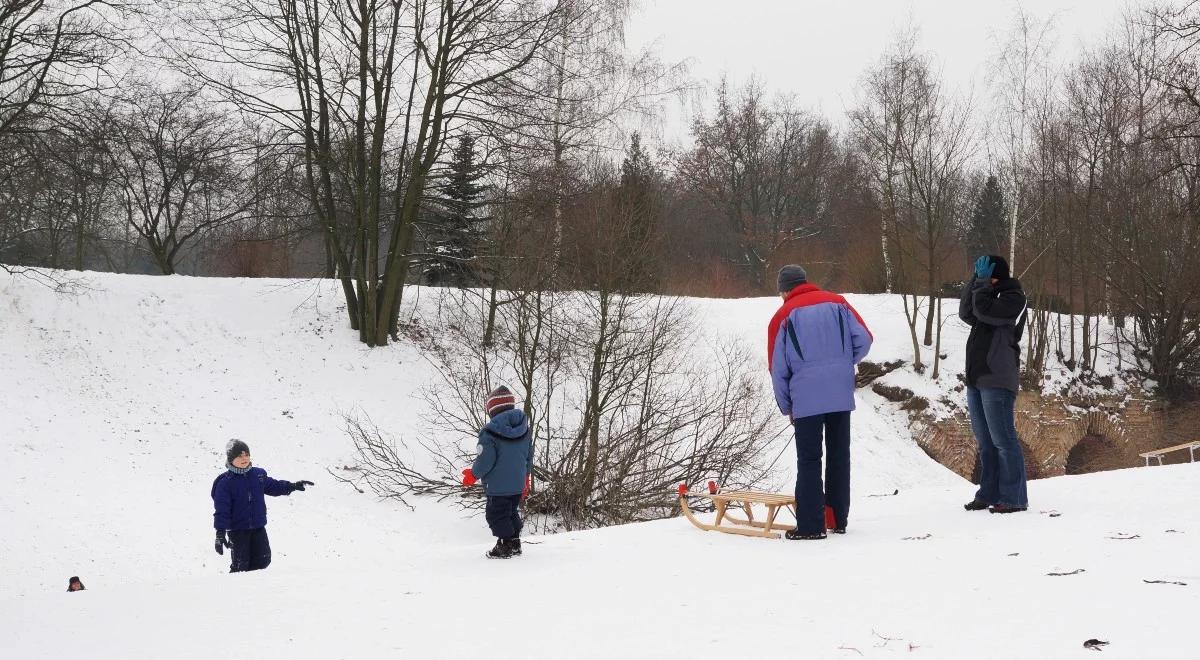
column 500, row 400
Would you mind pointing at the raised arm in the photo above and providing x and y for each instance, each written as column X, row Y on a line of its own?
column 1000, row 310
column 966, row 310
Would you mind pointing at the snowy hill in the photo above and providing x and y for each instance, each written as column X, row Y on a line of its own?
column 118, row 402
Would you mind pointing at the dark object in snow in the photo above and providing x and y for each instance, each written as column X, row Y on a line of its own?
column 1074, row 572
column 1013, row 554
column 1122, row 536
column 894, row 492
column 1173, row 531
column 1181, row 584
column 1006, row 508
column 793, row 535
column 976, row 505
column 868, row 372
column 916, row 538
column 1095, row 644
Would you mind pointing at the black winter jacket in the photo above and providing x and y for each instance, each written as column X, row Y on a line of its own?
column 996, row 315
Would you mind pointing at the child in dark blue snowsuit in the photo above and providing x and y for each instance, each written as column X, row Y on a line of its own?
column 240, row 510
column 504, row 463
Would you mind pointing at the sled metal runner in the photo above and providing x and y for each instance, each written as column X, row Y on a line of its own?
column 723, row 501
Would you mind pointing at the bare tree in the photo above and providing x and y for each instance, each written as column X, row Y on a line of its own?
column 51, row 50
column 370, row 90
column 1020, row 83
column 178, row 170
column 633, row 415
column 917, row 142
column 767, row 169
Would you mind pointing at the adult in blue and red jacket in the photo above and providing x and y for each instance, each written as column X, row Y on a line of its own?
column 813, row 342
column 240, row 510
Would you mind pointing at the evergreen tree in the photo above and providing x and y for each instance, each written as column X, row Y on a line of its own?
column 455, row 227
column 638, row 205
column 988, row 231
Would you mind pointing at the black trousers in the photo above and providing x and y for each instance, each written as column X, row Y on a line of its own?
column 503, row 515
column 811, row 494
column 251, row 550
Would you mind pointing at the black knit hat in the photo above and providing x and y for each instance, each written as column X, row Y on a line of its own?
column 1001, row 271
column 235, row 449
column 790, row 277
column 500, row 400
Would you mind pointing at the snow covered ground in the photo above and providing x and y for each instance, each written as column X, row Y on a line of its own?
column 116, row 405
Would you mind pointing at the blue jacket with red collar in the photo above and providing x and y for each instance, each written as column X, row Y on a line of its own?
column 813, row 343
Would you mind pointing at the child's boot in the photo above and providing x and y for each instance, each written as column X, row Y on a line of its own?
column 501, row 550
column 514, row 544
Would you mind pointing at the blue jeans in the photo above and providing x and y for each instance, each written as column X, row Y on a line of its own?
column 811, row 494
column 1001, row 461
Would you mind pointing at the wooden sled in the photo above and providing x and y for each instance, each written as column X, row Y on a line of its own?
column 743, row 499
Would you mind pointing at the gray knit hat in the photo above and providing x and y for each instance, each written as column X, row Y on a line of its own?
column 790, row 277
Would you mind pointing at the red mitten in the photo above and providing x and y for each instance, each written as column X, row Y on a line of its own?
column 525, row 493
column 712, row 487
column 468, row 477
column 682, row 490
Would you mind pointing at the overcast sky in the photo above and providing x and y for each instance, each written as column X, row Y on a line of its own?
column 818, row 49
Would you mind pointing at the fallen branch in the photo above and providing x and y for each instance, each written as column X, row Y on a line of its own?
column 916, row 538
column 1122, row 536
column 1074, row 572
column 1182, row 584
column 885, row 638
column 895, row 492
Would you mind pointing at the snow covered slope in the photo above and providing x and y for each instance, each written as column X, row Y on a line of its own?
column 116, row 405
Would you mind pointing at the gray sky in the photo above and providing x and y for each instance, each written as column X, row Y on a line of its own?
column 818, row 49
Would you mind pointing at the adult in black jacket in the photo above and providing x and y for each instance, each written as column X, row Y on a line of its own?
column 993, row 304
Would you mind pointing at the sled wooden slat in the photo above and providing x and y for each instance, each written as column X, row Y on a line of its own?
column 1157, row 454
column 744, row 500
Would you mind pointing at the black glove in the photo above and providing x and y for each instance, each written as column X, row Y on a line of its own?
column 222, row 542
column 299, row 485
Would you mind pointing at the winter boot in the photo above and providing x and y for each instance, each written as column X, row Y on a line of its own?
column 1006, row 508
column 796, row 535
column 515, row 545
column 502, row 550
column 976, row 505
